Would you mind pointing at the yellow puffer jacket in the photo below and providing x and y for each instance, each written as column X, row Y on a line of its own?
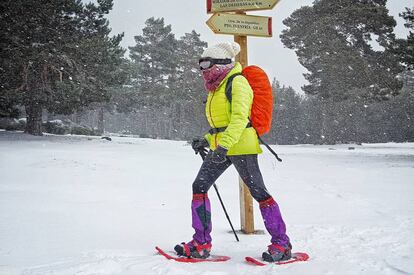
column 238, row 139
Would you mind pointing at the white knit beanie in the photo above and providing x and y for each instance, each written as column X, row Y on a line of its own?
column 222, row 50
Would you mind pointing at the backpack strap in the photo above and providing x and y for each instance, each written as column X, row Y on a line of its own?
column 269, row 148
column 229, row 86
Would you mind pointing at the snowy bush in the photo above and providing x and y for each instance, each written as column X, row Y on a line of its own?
column 13, row 124
column 83, row 130
column 56, row 127
column 65, row 127
column 144, row 136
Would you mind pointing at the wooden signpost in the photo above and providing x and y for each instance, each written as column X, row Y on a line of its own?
column 241, row 25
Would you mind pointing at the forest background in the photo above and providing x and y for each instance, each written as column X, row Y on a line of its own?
column 63, row 71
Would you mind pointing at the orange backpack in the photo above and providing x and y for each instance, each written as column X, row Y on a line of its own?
column 262, row 108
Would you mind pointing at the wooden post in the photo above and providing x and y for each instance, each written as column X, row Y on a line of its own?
column 242, row 56
column 246, row 200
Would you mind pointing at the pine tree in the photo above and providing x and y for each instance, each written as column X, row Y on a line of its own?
column 42, row 52
column 101, row 58
column 404, row 48
column 189, row 82
column 309, row 121
column 165, row 89
column 188, row 89
column 154, row 61
column 333, row 40
column 286, row 116
column 36, row 33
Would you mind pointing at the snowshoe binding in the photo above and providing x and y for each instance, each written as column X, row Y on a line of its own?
column 193, row 249
column 277, row 253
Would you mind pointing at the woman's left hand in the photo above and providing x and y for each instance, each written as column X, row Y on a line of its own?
column 219, row 155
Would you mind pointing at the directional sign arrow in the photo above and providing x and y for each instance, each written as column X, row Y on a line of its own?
column 240, row 24
column 239, row 5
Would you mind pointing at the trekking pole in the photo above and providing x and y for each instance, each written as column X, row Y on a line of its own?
column 203, row 156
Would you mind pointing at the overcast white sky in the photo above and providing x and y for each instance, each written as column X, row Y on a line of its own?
column 129, row 16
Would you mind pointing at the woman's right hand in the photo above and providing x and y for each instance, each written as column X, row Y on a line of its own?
column 199, row 145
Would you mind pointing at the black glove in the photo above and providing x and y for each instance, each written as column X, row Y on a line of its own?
column 199, row 145
column 219, row 155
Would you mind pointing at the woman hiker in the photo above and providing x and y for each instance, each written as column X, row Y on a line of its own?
column 231, row 141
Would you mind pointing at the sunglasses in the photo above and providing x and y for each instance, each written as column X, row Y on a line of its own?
column 208, row 62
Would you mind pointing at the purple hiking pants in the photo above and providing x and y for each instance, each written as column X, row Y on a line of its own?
column 201, row 214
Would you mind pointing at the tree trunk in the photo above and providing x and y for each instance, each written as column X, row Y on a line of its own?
column 324, row 120
column 76, row 117
column 34, row 119
column 101, row 121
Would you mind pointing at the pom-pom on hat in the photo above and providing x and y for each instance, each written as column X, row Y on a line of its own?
column 225, row 50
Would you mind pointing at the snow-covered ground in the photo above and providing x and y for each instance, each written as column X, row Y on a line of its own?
column 81, row 205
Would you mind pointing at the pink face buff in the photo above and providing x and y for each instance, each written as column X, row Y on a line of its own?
column 215, row 75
